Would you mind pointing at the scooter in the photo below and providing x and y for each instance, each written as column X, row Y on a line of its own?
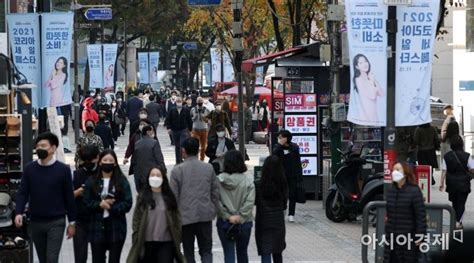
column 351, row 191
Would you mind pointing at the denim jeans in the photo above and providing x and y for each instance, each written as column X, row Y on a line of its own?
column 240, row 245
column 277, row 258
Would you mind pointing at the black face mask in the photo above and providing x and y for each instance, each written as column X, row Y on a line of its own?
column 199, row 104
column 90, row 166
column 107, row 167
column 89, row 129
column 42, row 154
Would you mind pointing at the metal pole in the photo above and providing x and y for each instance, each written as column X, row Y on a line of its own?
column 390, row 154
column 239, row 52
column 125, row 56
column 76, row 83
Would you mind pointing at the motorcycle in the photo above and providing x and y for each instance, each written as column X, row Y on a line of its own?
column 351, row 191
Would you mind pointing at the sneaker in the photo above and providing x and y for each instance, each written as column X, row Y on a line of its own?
column 291, row 219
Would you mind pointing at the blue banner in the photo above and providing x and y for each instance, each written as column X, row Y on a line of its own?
column 143, row 67
column 110, row 56
column 24, row 35
column 56, row 36
column 94, row 55
column 154, row 63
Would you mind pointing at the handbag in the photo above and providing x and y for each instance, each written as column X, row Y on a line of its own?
column 233, row 232
column 471, row 175
column 300, row 194
column 118, row 120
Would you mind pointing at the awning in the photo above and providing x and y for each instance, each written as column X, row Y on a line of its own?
column 299, row 62
column 248, row 65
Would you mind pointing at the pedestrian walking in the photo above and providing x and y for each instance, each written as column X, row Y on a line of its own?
column 236, row 202
column 179, row 125
column 196, row 188
column 255, row 109
column 200, row 128
column 134, row 105
column 104, row 131
column 450, row 120
column 89, row 138
column 271, row 203
column 46, row 185
column 88, row 113
column 123, row 106
column 153, row 110
column 108, row 199
column 132, row 141
column 427, row 143
column 90, row 155
column 456, row 175
column 217, row 148
column 216, row 117
column 290, row 155
column 406, row 215
column 118, row 119
column 248, row 123
column 225, row 107
column 147, row 154
column 142, row 115
column 156, row 226
column 170, row 105
column 264, row 116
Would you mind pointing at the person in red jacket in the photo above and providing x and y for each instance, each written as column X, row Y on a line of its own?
column 89, row 112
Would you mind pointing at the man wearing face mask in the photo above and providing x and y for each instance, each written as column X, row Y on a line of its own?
column 134, row 105
column 199, row 115
column 217, row 148
column 90, row 155
column 142, row 115
column 450, row 121
column 255, row 110
column 264, row 116
column 170, row 105
column 218, row 116
column 179, row 125
column 46, row 185
column 89, row 138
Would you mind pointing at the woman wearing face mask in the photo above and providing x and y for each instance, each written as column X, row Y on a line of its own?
column 118, row 118
column 156, row 222
column 264, row 116
column 89, row 138
column 108, row 199
column 406, row 215
column 217, row 147
column 255, row 109
column 134, row 138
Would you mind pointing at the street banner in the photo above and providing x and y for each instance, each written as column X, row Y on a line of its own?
column 415, row 42
column 143, row 67
column 131, row 68
column 301, row 123
column 216, row 66
column 24, row 35
column 368, row 55
column 229, row 74
column 94, row 56
column 206, row 68
column 56, row 36
column 259, row 77
column 109, row 57
column 307, row 144
column 154, row 63
column 300, row 102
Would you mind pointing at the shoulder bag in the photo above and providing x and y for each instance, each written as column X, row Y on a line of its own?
column 471, row 175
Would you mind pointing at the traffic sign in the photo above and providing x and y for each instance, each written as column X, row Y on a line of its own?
column 189, row 45
column 204, row 2
column 98, row 14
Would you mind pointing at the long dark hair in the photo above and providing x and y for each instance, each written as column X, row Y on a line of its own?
column 452, row 129
column 273, row 183
column 355, row 62
column 117, row 175
column 145, row 198
column 64, row 70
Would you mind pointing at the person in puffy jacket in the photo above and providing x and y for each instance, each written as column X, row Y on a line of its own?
column 406, row 216
column 88, row 113
column 236, row 202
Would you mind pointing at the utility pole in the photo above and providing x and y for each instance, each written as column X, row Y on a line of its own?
column 76, row 81
column 239, row 50
column 125, row 56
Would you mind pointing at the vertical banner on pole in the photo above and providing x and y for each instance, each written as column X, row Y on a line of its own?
column 216, row 66
column 24, row 35
column 131, row 67
column 94, row 55
column 110, row 56
column 229, row 74
column 154, row 63
column 56, row 42
column 368, row 54
column 415, row 41
column 143, row 67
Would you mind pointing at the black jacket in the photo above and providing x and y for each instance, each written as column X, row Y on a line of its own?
column 79, row 178
column 133, row 107
column 457, row 178
column 212, row 147
column 291, row 160
column 179, row 121
column 406, row 214
column 105, row 133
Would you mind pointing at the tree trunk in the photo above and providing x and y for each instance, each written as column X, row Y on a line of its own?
column 276, row 27
column 297, row 24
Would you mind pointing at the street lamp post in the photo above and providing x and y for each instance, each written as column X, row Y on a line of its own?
column 238, row 49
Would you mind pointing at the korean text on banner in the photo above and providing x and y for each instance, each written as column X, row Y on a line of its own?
column 229, row 74
column 415, row 41
column 154, row 63
column 216, row 66
column 367, row 50
column 24, row 35
column 143, row 67
column 56, row 35
column 94, row 55
column 110, row 56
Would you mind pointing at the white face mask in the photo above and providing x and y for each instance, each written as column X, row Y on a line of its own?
column 179, row 105
column 220, row 134
column 218, row 108
column 143, row 116
column 155, row 181
column 397, row 176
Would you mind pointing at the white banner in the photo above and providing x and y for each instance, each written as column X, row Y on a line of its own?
column 94, row 56
column 229, row 74
column 415, row 42
column 307, row 144
column 109, row 57
column 24, row 35
column 368, row 54
column 154, row 63
column 215, row 66
column 143, row 67
column 301, row 123
column 56, row 47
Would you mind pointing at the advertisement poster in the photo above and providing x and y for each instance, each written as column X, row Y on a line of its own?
column 94, row 56
column 215, row 66
column 415, row 42
column 206, row 68
column 154, row 63
column 24, row 35
column 143, row 67
column 56, row 40
column 368, row 55
column 301, row 123
column 423, row 177
column 110, row 56
column 300, row 103
column 309, row 165
column 307, row 144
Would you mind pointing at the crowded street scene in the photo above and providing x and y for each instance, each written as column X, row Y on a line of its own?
column 174, row 131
